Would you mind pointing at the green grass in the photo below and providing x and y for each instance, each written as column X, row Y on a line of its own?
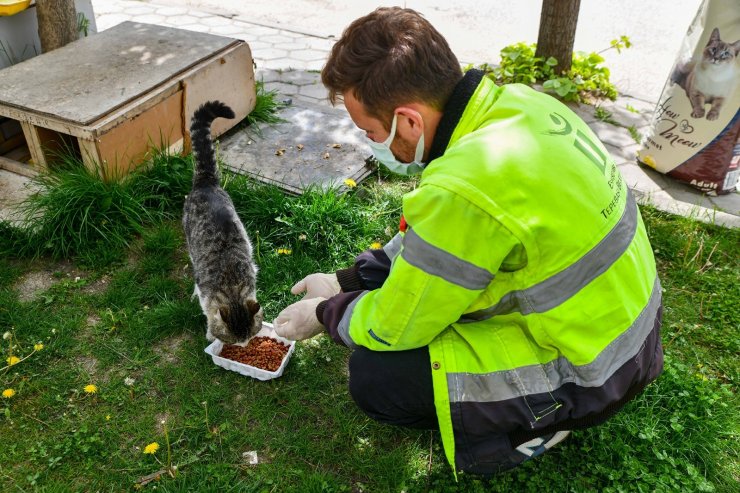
column 131, row 316
column 266, row 107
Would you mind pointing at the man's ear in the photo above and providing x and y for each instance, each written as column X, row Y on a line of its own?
column 410, row 123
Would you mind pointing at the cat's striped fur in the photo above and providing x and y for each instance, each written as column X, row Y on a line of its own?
column 221, row 253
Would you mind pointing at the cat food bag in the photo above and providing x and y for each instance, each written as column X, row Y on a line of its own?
column 695, row 131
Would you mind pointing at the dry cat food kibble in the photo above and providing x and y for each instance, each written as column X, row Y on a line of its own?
column 261, row 352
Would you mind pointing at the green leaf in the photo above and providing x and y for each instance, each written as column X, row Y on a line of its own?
column 552, row 61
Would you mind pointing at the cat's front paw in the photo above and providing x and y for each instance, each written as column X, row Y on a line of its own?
column 698, row 113
column 712, row 115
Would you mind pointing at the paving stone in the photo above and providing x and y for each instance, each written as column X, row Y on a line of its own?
column 314, row 146
column 140, row 10
column 106, row 21
column 168, row 11
column 230, row 30
column 686, row 193
column 256, row 29
column 200, row 28
column 640, row 115
column 637, row 179
column 150, row 19
column 183, row 21
column 612, row 134
column 300, row 77
column 623, row 154
column 271, row 53
column 258, row 45
column 277, row 39
column 729, row 203
column 199, row 14
column 282, row 88
column 317, row 91
column 294, row 45
column 585, row 111
column 215, row 21
column 308, row 55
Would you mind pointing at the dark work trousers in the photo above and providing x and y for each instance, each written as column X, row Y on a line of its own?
column 394, row 387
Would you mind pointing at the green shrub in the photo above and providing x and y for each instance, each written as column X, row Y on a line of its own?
column 587, row 79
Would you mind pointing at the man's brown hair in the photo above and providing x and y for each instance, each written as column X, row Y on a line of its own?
column 390, row 57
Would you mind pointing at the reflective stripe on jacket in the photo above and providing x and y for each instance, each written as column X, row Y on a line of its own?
column 527, row 271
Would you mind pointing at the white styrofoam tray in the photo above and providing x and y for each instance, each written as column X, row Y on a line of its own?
column 214, row 349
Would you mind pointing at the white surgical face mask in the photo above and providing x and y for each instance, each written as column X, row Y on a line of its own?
column 382, row 152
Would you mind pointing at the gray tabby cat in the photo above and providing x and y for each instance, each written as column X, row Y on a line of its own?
column 712, row 80
column 220, row 250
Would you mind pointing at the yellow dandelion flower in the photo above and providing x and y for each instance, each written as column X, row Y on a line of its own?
column 350, row 183
column 13, row 360
column 91, row 389
column 8, row 393
column 38, row 347
column 284, row 251
column 151, row 448
column 376, row 245
column 107, row 417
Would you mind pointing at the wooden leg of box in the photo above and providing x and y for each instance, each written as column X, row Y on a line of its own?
column 90, row 154
column 30, row 132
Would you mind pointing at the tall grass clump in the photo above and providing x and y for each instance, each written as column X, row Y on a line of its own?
column 75, row 211
column 266, row 107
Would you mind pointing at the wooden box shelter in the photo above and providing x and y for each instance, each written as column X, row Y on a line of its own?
column 112, row 97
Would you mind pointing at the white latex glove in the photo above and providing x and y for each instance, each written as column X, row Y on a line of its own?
column 317, row 286
column 298, row 321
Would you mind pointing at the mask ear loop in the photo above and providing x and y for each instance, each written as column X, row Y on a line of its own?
column 392, row 135
column 419, row 154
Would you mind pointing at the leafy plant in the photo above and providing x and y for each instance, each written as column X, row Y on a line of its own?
column 587, row 79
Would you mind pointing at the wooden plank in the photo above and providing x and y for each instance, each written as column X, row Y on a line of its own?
column 173, row 85
column 90, row 132
column 90, row 155
column 34, row 144
column 88, row 78
column 125, row 146
column 228, row 78
column 17, row 167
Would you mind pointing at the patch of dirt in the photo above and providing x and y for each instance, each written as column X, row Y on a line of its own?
column 89, row 365
column 160, row 420
column 34, row 283
column 98, row 286
column 168, row 349
column 14, row 189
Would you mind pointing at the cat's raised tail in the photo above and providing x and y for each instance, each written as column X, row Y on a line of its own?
column 206, row 171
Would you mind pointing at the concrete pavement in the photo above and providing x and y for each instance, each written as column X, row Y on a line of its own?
column 288, row 59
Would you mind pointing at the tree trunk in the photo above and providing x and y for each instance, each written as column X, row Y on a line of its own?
column 57, row 23
column 558, row 31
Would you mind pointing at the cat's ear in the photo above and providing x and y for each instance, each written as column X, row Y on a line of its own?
column 736, row 47
column 253, row 306
column 223, row 313
column 714, row 37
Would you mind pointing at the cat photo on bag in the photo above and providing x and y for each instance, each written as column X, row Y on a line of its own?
column 711, row 79
column 224, row 271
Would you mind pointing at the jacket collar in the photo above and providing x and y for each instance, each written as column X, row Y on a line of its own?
column 453, row 111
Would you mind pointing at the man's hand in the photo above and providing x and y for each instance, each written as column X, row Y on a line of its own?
column 317, row 286
column 298, row 321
